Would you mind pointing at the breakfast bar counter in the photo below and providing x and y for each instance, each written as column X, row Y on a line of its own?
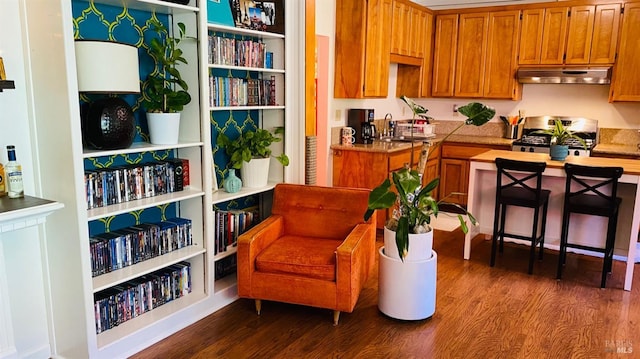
column 585, row 229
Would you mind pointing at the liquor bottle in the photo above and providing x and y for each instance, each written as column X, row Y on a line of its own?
column 13, row 171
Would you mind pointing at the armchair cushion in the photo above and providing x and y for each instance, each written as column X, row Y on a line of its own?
column 302, row 256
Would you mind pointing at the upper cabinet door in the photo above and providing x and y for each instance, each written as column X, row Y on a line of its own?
column 580, row 34
column 605, row 34
column 444, row 55
column 531, row 36
column 554, row 35
column 419, row 26
column 376, row 76
column 502, row 50
column 471, row 57
column 362, row 45
column 626, row 76
column 401, row 25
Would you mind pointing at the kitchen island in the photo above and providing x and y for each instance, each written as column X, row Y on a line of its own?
column 584, row 229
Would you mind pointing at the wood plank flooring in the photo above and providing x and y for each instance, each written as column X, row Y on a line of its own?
column 481, row 312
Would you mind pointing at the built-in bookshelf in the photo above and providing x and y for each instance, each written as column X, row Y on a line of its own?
column 246, row 91
column 74, row 293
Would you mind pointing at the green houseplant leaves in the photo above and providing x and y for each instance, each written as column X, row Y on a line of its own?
column 164, row 89
column 416, row 206
column 251, row 144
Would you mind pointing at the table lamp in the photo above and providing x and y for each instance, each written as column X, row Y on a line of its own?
column 105, row 67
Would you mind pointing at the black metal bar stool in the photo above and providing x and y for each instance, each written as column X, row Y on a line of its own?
column 591, row 191
column 519, row 183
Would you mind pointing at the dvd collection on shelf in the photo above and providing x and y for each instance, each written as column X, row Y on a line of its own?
column 226, row 266
column 127, row 246
column 238, row 52
column 234, row 91
column 128, row 300
column 232, row 223
column 127, row 183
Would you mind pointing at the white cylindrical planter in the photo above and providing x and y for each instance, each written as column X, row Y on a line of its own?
column 255, row 173
column 407, row 290
column 164, row 128
column 420, row 245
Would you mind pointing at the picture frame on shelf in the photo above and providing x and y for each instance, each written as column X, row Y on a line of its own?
column 258, row 15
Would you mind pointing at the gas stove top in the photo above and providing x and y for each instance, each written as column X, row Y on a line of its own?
column 586, row 129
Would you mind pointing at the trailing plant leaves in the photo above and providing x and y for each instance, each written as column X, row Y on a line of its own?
column 381, row 197
column 477, row 114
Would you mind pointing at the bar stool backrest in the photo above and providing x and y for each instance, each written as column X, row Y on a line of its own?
column 599, row 184
column 521, row 179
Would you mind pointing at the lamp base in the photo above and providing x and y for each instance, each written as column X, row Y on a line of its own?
column 108, row 124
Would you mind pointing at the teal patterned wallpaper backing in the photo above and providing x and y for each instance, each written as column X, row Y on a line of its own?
column 93, row 21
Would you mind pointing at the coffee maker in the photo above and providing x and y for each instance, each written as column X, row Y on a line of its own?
column 362, row 121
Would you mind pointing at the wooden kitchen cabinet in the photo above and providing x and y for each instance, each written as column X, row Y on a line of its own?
column 605, row 34
column 454, row 170
column 414, row 79
column 531, row 37
column 593, row 34
column 470, row 56
column 444, row 55
column 408, row 29
column 367, row 168
column 577, row 35
column 362, row 48
column 486, row 56
column 554, row 35
column 625, row 85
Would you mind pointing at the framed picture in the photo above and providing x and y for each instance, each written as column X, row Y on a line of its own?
column 258, row 15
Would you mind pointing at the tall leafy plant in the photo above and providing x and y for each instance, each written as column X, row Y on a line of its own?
column 415, row 204
column 165, row 90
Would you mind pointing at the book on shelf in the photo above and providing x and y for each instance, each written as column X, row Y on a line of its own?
column 233, row 91
column 226, row 266
column 230, row 224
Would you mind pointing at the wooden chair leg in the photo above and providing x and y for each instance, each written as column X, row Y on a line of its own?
column 258, row 306
column 336, row 317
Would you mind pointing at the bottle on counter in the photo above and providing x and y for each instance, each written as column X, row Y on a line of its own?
column 13, row 170
column 3, row 187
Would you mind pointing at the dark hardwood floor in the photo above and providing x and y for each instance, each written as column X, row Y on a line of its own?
column 481, row 312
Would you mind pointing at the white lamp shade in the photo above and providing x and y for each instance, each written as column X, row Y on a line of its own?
column 107, row 67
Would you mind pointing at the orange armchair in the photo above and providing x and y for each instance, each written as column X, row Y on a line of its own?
column 315, row 249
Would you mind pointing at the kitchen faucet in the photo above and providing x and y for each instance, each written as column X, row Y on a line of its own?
column 387, row 129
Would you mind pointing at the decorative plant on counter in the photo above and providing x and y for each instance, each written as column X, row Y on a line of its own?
column 252, row 144
column 415, row 205
column 560, row 135
column 165, row 90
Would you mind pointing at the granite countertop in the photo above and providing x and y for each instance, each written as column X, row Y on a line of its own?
column 395, row 146
column 613, row 149
column 612, row 142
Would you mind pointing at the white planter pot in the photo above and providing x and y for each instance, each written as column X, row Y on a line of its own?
column 255, row 173
column 420, row 246
column 407, row 290
column 164, row 128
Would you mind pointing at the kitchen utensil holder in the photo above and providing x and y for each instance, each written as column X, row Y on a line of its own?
column 513, row 132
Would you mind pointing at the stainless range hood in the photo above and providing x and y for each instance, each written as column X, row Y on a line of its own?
column 566, row 75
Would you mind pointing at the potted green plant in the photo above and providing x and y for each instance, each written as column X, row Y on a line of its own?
column 165, row 91
column 251, row 153
column 560, row 135
column 415, row 204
